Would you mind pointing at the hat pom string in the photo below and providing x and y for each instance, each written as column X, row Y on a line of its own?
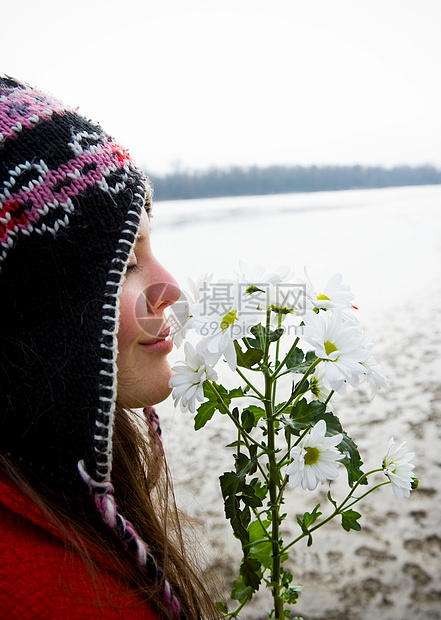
column 104, row 499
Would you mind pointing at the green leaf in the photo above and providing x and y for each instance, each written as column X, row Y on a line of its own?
column 291, row 594
column 258, row 412
column 247, row 358
column 248, row 420
column 349, row 520
column 286, row 578
column 295, row 359
column 204, row 414
column 250, row 571
column 208, row 393
column 261, row 551
column 304, row 414
column 239, row 519
column 246, row 465
column 255, row 343
column 235, row 414
column 236, row 493
column 299, row 362
column 206, row 411
column 276, row 334
column 229, row 482
column 245, row 518
column 259, row 330
column 237, row 392
column 222, row 607
column 241, row 592
column 353, row 461
column 260, row 491
column 310, row 517
column 251, row 500
column 256, row 529
column 303, row 388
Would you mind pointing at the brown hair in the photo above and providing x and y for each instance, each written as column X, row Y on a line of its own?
column 144, row 494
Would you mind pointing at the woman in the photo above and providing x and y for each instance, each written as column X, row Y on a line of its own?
column 88, row 527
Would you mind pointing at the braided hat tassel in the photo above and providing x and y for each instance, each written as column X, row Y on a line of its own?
column 103, row 495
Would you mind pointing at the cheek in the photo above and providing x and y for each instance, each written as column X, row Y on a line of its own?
column 128, row 330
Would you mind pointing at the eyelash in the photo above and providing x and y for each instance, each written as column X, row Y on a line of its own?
column 135, row 267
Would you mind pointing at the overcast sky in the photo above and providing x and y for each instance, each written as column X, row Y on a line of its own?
column 197, row 83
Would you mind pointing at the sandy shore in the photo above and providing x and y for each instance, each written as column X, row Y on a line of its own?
column 391, row 570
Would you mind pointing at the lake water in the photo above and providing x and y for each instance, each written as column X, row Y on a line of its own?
column 385, row 242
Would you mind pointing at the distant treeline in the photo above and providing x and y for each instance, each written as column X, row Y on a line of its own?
column 253, row 181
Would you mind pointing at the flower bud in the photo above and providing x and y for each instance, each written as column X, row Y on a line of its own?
column 414, row 483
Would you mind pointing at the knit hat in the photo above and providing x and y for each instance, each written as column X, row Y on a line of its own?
column 71, row 201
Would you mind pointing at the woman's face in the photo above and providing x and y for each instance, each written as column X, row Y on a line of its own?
column 143, row 342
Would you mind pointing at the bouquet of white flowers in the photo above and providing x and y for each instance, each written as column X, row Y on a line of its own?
column 266, row 326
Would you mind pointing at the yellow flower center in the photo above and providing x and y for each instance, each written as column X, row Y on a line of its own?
column 322, row 297
column 330, row 347
column 229, row 319
column 312, row 455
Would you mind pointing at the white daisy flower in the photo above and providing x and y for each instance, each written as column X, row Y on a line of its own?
column 374, row 375
column 259, row 275
column 276, row 289
column 319, row 386
column 223, row 314
column 188, row 380
column 179, row 313
column 373, row 372
column 334, row 295
column 397, row 467
column 339, row 344
column 315, row 459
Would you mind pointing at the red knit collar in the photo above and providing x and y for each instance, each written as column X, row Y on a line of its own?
column 14, row 499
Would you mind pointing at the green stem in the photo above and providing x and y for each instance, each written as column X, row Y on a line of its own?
column 274, row 507
column 255, row 390
column 282, row 488
column 339, row 508
column 247, row 344
column 377, row 486
column 277, row 369
column 295, row 393
column 259, row 518
column 305, row 376
column 230, row 415
column 273, row 487
column 234, row 614
column 276, row 361
column 357, row 484
column 331, row 394
column 279, row 325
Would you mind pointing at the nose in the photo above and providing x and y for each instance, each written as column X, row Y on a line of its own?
column 162, row 290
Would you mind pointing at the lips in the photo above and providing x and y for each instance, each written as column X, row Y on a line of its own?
column 161, row 336
column 161, row 344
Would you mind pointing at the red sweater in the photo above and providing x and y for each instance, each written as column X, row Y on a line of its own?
column 41, row 578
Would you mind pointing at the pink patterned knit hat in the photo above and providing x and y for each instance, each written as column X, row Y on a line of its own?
column 70, row 205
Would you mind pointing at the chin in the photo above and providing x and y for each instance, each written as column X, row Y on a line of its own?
column 156, row 397
column 138, row 393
